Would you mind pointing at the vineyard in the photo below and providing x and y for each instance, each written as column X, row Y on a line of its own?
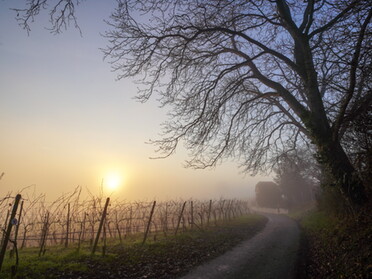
column 71, row 221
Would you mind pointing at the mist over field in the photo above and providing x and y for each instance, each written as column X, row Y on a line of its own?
column 66, row 122
column 185, row 139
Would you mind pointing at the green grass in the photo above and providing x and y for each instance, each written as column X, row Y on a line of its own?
column 317, row 221
column 337, row 247
column 55, row 258
column 171, row 254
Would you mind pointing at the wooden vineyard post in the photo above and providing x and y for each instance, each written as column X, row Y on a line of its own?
column 5, row 223
column 84, row 228
column 100, row 226
column 228, row 210
column 9, row 229
column 130, row 219
column 92, row 223
column 19, row 221
column 44, row 233
column 118, row 227
column 79, row 237
column 165, row 220
column 149, row 223
column 82, row 231
column 233, row 208
column 201, row 219
column 222, row 213
column 67, row 226
column 209, row 212
column 104, row 239
column 179, row 218
column 110, row 230
column 192, row 214
column 24, row 236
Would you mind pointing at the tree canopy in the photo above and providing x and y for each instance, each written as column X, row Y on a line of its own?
column 298, row 176
column 268, row 194
column 246, row 79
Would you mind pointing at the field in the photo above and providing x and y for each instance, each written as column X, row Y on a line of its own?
column 72, row 237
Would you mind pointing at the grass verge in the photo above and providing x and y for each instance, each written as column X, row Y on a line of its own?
column 166, row 257
column 336, row 247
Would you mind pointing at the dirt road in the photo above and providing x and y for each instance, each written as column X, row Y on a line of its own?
column 271, row 254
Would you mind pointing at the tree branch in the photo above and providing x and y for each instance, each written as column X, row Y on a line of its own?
column 352, row 83
column 336, row 19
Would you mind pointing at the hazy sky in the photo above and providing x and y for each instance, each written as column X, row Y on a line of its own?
column 65, row 121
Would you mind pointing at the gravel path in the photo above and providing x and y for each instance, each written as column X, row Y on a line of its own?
column 270, row 254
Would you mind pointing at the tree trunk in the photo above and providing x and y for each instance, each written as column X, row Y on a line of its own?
column 346, row 178
column 331, row 154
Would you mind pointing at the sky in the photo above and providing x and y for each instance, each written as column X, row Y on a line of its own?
column 65, row 120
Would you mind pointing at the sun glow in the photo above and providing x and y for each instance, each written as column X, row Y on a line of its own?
column 112, row 181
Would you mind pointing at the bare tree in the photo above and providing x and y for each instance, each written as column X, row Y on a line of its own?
column 61, row 14
column 298, row 176
column 358, row 141
column 250, row 79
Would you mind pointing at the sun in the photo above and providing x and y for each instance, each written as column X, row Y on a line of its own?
column 112, row 181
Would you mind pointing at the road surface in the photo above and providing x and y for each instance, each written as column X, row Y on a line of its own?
column 271, row 254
